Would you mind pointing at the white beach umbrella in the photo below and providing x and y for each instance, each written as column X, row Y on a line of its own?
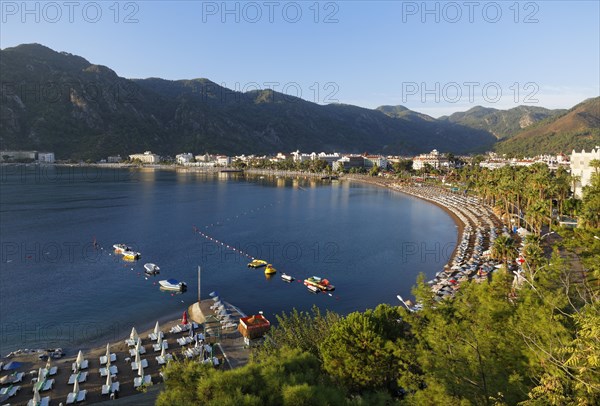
column 140, row 369
column 48, row 365
column 134, row 335
column 36, row 397
column 76, row 386
column 137, row 358
column 138, row 345
column 79, row 359
column 107, row 352
column 156, row 328
column 40, row 375
column 163, row 353
column 108, row 380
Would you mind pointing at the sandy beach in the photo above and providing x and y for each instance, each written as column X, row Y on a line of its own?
column 93, row 384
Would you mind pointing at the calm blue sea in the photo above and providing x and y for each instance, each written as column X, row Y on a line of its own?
column 58, row 289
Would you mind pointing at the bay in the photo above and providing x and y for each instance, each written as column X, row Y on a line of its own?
column 59, row 289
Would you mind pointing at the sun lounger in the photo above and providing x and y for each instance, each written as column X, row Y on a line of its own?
column 154, row 337
column 113, row 358
column 84, row 365
column 159, row 347
column 44, row 385
column 185, row 340
column 164, row 360
column 51, row 372
column 130, row 342
column 76, row 397
column 137, row 382
column 113, row 371
column 134, row 365
column 114, row 387
column 192, row 352
column 81, row 377
column 10, row 391
column 15, row 377
column 132, row 351
column 45, row 401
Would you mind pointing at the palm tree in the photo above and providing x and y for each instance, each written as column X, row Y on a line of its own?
column 504, row 250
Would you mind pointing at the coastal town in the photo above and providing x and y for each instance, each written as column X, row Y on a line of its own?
column 217, row 338
column 328, row 203
column 434, row 162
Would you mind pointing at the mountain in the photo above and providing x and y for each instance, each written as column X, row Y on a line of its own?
column 502, row 123
column 60, row 102
column 403, row 112
column 577, row 128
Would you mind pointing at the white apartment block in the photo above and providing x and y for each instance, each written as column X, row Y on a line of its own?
column 580, row 166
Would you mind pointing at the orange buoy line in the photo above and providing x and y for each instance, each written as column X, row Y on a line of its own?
column 237, row 216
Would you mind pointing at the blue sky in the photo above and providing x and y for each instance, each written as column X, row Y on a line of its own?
column 434, row 57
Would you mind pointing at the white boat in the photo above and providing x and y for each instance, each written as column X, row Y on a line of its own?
column 287, row 278
column 313, row 289
column 172, row 284
column 121, row 248
column 151, row 269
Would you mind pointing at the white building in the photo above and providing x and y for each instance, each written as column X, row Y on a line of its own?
column 434, row 158
column 301, row 157
column 580, row 166
column 223, row 160
column 147, row 157
column 46, row 157
column 115, row 159
column 204, row 158
column 379, row 160
column 184, row 158
column 329, row 158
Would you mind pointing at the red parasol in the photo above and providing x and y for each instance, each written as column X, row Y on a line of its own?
column 184, row 320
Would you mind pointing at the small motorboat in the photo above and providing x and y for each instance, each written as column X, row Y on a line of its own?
column 257, row 263
column 269, row 270
column 173, row 284
column 121, row 248
column 131, row 255
column 151, row 269
column 287, row 278
column 313, row 289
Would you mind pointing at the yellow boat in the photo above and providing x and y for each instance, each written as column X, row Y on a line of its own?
column 269, row 270
column 257, row 263
column 131, row 255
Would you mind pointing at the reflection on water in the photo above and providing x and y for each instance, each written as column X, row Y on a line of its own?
column 50, row 279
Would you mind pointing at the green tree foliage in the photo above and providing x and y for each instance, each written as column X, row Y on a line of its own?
column 590, row 208
column 361, row 350
column 290, row 377
column 302, row 330
column 465, row 350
